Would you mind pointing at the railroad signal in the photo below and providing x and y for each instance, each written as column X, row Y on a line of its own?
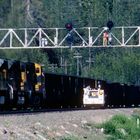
column 69, row 37
column 69, row 26
column 110, row 24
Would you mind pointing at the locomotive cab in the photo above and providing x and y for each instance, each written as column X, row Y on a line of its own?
column 9, row 82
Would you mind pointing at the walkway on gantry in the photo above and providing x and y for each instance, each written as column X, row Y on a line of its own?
column 60, row 37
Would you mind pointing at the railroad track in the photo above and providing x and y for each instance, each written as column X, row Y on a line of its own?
column 42, row 110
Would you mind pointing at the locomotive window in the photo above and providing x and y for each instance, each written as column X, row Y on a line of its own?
column 37, row 70
column 4, row 73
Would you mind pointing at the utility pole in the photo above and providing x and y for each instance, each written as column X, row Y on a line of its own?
column 61, row 58
column 89, row 61
column 77, row 56
column 65, row 65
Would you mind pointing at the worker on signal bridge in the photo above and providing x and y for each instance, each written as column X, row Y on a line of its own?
column 105, row 38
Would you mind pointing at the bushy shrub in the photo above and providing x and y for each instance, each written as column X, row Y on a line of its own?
column 121, row 127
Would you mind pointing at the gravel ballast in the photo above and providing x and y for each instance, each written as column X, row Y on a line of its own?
column 56, row 124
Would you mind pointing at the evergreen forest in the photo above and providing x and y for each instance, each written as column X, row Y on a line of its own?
column 118, row 64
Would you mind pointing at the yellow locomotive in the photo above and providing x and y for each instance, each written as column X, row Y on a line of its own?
column 21, row 84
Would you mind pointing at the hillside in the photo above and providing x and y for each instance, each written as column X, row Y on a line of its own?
column 55, row 13
column 111, row 64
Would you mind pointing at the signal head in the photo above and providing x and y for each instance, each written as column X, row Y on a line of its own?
column 69, row 26
column 110, row 24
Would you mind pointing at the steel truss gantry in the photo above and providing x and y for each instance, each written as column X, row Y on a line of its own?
column 58, row 37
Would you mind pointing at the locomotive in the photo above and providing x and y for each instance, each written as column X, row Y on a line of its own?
column 25, row 84
column 20, row 83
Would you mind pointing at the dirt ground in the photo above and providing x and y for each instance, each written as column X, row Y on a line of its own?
column 56, row 124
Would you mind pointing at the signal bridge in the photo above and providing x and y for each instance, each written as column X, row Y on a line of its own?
column 62, row 38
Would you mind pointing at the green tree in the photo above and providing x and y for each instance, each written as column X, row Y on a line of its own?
column 32, row 55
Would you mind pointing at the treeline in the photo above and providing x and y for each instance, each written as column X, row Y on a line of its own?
column 118, row 65
column 111, row 64
column 55, row 13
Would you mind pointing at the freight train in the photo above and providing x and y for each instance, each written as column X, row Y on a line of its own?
column 25, row 84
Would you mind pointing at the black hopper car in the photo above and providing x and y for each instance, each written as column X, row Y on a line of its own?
column 24, row 84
